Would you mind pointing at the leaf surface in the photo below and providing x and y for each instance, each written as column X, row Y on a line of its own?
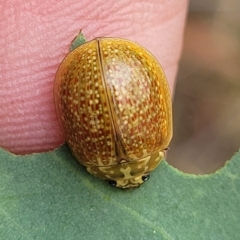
column 51, row 196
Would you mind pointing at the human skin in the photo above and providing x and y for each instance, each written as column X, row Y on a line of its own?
column 35, row 37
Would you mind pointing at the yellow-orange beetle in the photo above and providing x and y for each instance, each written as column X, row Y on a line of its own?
column 113, row 102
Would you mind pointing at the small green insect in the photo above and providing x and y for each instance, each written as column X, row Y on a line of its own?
column 114, row 105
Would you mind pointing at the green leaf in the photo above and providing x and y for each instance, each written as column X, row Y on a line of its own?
column 77, row 41
column 51, row 196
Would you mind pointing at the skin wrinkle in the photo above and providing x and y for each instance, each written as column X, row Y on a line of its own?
column 36, row 37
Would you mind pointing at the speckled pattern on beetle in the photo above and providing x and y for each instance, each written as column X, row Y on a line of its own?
column 114, row 105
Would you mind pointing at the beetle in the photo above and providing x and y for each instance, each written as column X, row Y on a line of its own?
column 113, row 102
